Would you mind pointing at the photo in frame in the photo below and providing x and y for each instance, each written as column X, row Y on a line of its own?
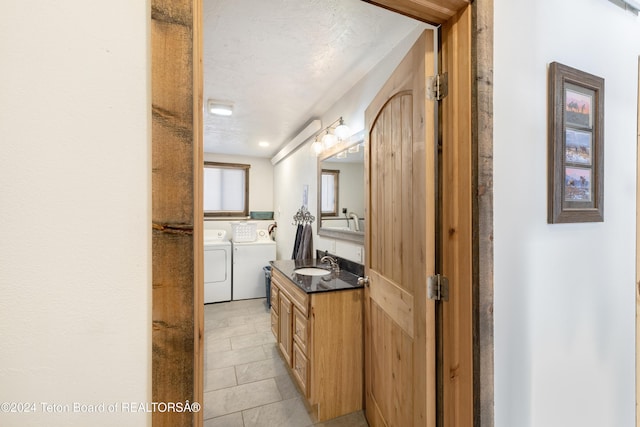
column 575, row 146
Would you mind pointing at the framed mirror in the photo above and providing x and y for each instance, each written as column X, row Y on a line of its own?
column 341, row 190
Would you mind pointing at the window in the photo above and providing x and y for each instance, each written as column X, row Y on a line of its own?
column 329, row 197
column 226, row 189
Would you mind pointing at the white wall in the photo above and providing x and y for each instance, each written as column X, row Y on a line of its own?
column 75, row 283
column 564, row 294
column 290, row 177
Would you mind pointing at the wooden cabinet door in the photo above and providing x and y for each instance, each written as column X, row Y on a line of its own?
column 400, row 362
column 285, row 336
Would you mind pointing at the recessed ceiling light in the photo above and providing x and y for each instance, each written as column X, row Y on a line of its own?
column 263, row 144
column 220, row 108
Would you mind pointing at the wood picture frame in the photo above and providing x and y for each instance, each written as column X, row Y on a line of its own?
column 576, row 146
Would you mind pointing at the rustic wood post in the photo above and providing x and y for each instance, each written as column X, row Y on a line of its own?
column 176, row 94
column 483, row 211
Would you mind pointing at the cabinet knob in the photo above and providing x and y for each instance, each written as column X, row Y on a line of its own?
column 363, row 281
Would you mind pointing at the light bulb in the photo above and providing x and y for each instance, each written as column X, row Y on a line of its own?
column 317, row 147
column 329, row 140
column 342, row 131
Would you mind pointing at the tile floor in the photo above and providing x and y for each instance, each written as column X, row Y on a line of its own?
column 246, row 382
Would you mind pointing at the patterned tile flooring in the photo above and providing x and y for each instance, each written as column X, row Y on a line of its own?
column 246, row 382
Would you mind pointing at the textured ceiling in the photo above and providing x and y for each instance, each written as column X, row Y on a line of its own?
column 285, row 62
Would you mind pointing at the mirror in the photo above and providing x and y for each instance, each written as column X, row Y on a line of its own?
column 341, row 190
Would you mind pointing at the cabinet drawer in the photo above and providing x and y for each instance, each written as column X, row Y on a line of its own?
column 274, row 297
column 300, row 368
column 300, row 330
column 274, row 323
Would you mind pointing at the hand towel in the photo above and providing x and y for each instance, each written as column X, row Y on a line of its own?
column 297, row 241
column 306, row 246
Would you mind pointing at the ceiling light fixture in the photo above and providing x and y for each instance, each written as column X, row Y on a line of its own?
column 263, row 144
column 335, row 132
column 220, row 108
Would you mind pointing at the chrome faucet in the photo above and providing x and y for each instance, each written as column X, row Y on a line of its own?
column 332, row 261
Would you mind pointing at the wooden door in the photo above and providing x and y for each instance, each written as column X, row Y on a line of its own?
column 400, row 358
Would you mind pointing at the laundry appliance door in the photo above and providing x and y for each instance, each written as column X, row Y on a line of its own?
column 217, row 273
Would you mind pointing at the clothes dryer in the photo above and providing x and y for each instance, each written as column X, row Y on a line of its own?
column 217, row 266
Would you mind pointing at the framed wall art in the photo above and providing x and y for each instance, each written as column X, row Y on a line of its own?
column 576, row 146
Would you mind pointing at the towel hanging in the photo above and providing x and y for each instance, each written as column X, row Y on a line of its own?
column 297, row 241
column 305, row 251
column 303, row 242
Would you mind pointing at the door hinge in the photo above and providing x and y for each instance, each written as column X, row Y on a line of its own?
column 437, row 87
column 438, row 288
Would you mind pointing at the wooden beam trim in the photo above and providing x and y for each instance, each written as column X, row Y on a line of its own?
column 172, row 228
column 456, row 231
column 424, row 10
column 482, row 119
column 162, row 14
column 170, row 121
column 435, row 7
column 176, row 366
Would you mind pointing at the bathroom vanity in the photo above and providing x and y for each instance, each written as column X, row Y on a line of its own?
column 317, row 319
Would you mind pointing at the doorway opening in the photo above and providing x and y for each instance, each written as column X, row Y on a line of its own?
column 177, row 244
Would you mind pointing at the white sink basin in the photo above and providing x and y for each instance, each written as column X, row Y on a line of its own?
column 312, row 271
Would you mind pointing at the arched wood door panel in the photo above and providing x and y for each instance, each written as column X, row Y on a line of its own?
column 400, row 246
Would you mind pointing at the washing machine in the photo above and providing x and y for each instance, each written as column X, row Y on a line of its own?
column 249, row 258
column 217, row 266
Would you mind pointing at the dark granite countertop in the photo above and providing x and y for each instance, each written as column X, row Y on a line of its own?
column 342, row 280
